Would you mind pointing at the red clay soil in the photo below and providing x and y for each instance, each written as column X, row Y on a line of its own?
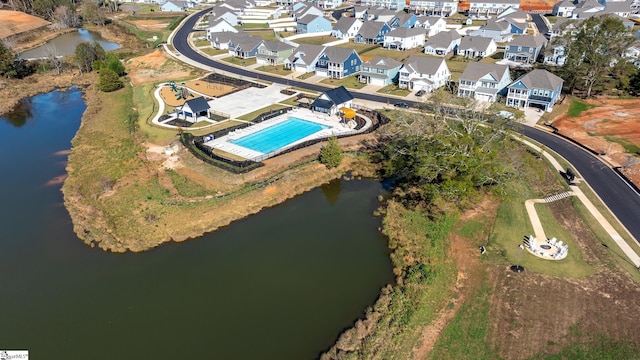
column 603, row 129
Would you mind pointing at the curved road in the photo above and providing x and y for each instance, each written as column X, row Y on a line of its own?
column 623, row 201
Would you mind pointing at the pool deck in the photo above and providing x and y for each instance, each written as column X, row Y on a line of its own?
column 333, row 122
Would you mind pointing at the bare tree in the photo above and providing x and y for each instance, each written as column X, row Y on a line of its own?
column 53, row 58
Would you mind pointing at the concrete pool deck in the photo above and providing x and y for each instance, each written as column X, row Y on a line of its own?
column 332, row 122
column 249, row 100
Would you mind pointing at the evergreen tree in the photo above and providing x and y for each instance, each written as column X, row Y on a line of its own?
column 109, row 81
column 331, row 154
column 7, row 61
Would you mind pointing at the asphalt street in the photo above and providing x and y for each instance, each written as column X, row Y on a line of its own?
column 623, row 201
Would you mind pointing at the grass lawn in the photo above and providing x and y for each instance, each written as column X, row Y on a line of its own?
column 264, row 34
column 213, row 52
column 359, row 48
column 292, row 101
column 456, row 66
column 241, row 62
column 219, row 126
column 305, row 75
column 253, row 26
column 252, row 115
column 315, row 40
column 278, row 70
column 393, row 89
column 201, row 42
column 576, row 107
column 350, row 82
column 394, row 54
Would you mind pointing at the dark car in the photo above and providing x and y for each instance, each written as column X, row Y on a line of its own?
column 401, row 104
column 420, row 93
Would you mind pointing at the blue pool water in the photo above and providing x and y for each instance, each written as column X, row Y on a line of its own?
column 279, row 135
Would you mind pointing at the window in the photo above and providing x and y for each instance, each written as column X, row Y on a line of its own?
column 519, row 48
column 531, row 50
column 535, row 92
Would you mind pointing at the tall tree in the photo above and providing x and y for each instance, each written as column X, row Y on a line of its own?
column 92, row 13
column 7, row 61
column 86, row 54
column 593, row 49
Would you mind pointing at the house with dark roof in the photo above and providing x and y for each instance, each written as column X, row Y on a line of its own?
column 338, row 63
column 372, row 32
column 484, row 81
column 423, row 73
column 402, row 38
column 273, row 52
column 304, row 58
column 380, row 71
column 525, row 49
column 538, row 88
column 332, row 100
column 192, row 109
column 442, row 43
column 346, row 27
column 476, row 47
column 312, row 24
column 244, row 47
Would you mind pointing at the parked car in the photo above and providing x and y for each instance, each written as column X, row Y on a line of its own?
column 401, row 104
column 420, row 93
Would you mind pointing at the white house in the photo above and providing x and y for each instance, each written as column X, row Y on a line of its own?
column 564, row 8
column 328, row 4
column 423, row 73
column 174, row 6
column 476, row 47
column 484, row 81
column 434, row 7
column 218, row 26
column 432, row 24
column 221, row 12
column 485, row 8
column 304, row 58
column 442, row 43
column 404, row 38
column 346, row 27
column 396, row 5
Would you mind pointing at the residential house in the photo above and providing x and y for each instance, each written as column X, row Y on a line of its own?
column 517, row 18
column 538, row 88
column 346, row 27
column 476, row 47
column 498, row 30
column 273, row 52
column 619, row 8
column 402, row 38
column 331, row 101
column 312, row 24
column 238, row 5
column 423, row 73
column 301, row 10
column 174, row 6
column 245, row 47
column 221, row 40
column 221, row 12
column 403, row 19
column 564, row 8
column 432, row 24
column 329, row 4
column 218, row 26
column 361, row 12
column 441, row 8
column 396, row 5
column 485, row 8
column 372, row 32
column 380, row 71
column 380, row 14
column 304, row 58
column 484, row 81
column 525, row 49
column 588, row 8
column 555, row 56
column 338, row 63
column 442, row 43
column 194, row 108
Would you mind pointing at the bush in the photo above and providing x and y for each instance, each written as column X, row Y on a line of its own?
column 109, row 81
column 331, row 155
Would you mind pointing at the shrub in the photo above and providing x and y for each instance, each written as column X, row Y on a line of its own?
column 331, row 155
column 109, row 81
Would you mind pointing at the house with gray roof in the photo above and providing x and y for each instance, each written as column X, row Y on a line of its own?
column 221, row 12
column 312, row 24
column 432, row 24
column 346, row 27
column 403, row 19
column 380, row 71
column 476, row 47
column 485, row 8
column 395, row 5
column 564, row 8
column 338, row 63
column 498, row 30
column 538, row 88
column 442, row 43
column 372, row 32
column 302, row 9
column 423, row 73
column 380, row 14
column 484, row 81
column 525, row 49
column 245, row 47
column 220, row 40
column 219, row 25
column 440, row 8
column 273, row 52
column 304, row 58
column 402, row 38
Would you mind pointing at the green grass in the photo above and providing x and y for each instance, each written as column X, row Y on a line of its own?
column 252, row 115
column 145, row 35
column 625, row 143
column 264, row 34
column 602, row 348
column 213, row 52
column 305, row 76
column 315, row 40
column 186, row 187
column 199, row 43
column 359, row 48
column 292, row 101
column 393, row 89
column 394, row 54
column 241, row 62
column 219, row 126
column 577, row 107
column 456, row 65
column 144, row 102
column 350, row 82
column 253, row 26
column 278, row 70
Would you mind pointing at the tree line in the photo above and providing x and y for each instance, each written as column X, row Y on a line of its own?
column 65, row 13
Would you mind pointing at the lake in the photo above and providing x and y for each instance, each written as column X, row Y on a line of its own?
column 65, row 44
column 281, row 284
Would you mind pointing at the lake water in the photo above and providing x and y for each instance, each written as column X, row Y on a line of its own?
column 65, row 44
column 278, row 285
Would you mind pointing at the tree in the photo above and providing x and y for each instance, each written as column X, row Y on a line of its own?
column 91, row 13
column 86, row 54
column 593, row 48
column 65, row 17
column 331, row 154
column 7, row 61
column 634, row 84
column 109, row 81
column 112, row 62
column 53, row 58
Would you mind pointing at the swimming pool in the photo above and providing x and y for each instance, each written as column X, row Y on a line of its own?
column 279, row 135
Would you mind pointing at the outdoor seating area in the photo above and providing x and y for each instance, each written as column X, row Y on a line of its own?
column 552, row 249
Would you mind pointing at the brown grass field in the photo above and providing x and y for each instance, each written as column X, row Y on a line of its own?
column 16, row 22
column 207, row 88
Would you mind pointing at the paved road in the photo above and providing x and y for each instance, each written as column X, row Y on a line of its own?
column 540, row 24
column 623, row 201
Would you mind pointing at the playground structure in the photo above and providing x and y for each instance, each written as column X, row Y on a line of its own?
column 182, row 92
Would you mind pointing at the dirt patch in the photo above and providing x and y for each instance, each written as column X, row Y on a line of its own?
column 16, row 22
column 604, row 128
column 150, row 24
column 195, row 88
column 154, row 66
